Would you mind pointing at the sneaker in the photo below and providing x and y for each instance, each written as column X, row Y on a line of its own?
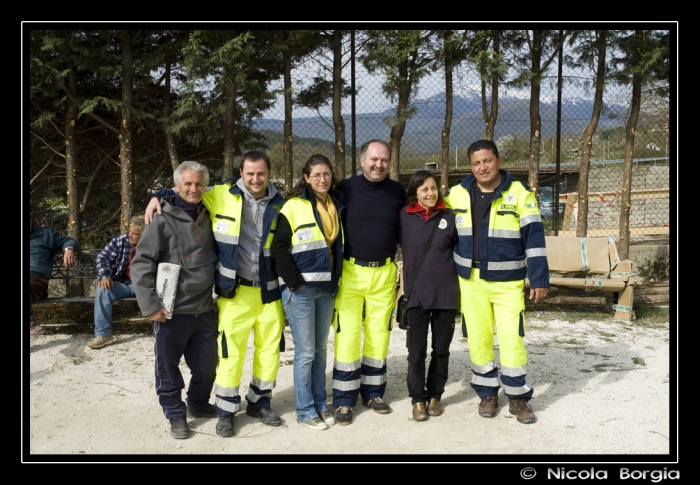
column 488, row 407
column 434, row 408
column 206, row 411
column 35, row 329
column 179, row 429
column 224, row 427
column 522, row 410
column 420, row 413
column 99, row 342
column 328, row 417
column 268, row 416
column 377, row 405
column 343, row 415
column 315, row 423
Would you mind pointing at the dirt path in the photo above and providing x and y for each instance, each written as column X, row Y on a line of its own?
column 600, row 388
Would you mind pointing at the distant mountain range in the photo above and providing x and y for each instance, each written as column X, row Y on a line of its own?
column 424, row 129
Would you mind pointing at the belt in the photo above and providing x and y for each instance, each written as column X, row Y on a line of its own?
column 370, row 264
column 476, row 264
column 245, row 282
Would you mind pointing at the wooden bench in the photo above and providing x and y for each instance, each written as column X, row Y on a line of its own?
column 84, row 269
column 590, row 264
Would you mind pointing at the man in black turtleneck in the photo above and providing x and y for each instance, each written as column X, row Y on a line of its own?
column 182, row 235
column 370, row 220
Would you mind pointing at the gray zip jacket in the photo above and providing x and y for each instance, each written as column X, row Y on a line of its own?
column 174, row 237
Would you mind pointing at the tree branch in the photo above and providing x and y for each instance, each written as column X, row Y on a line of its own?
column 42, row 169
column 48, row 145
column 83, row 204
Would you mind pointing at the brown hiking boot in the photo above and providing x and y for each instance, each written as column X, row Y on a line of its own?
column 522, row 410
column 488, row 407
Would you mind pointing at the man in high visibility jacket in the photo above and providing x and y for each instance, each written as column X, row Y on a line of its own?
column 501, row 241
column 370, row 220
column 244, row 217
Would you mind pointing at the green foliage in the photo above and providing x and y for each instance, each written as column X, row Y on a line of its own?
column 401, row 55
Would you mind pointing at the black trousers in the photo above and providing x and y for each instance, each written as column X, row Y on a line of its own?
column 194, row 337
column 442, row 325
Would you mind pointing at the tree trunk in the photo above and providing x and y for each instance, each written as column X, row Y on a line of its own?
column 626, row 198
column 75, row 287
column 125, row 131
column 397, row 130
column 587, row 139
column 229, row 129
column 287, row 144
column 169, row 138
column 444, row 176
column 535, row 121
column 490, row 118
column 338, row 122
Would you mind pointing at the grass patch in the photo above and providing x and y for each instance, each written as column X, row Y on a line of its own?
column 571, row 341
column 82, row 360
column 638, row 361
column 648, row 316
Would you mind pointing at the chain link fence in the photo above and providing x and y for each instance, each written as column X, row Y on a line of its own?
column 313, row 132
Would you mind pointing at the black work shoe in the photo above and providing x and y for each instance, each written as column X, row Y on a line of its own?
column 179, row 429
column 377, row 405
column 268, row 416
column 206, row 411
column 224, row 427
column 343, row 415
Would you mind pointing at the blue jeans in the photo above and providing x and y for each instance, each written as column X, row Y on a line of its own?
column 309, row 311
column 103, row 306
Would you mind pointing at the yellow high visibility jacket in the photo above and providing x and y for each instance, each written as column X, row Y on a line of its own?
column 512, row 235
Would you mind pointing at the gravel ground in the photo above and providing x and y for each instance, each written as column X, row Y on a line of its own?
column 601, row 388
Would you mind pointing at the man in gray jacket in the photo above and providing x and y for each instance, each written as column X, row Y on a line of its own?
column 182, row 235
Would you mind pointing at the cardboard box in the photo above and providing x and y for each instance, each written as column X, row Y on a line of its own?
column 572, row 254
column 606, row 284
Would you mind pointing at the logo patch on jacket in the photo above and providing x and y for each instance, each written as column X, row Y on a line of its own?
column 443, row 224
column 508, row 207
column 510, row 198
column 304, row 235
column 221, row 226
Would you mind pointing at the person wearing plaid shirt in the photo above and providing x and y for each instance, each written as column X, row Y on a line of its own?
column 114, row 279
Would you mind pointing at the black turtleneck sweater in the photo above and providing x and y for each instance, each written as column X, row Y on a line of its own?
column 371, row 217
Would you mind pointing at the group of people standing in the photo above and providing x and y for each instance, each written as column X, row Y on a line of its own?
column 324, row 257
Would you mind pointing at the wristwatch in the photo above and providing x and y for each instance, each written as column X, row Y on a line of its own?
column 67, row 248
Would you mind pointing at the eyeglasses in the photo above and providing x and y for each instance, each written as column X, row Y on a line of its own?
column 317, row 176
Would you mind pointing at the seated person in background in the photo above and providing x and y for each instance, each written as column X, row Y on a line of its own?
column 44, row 243
column 113, row 268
